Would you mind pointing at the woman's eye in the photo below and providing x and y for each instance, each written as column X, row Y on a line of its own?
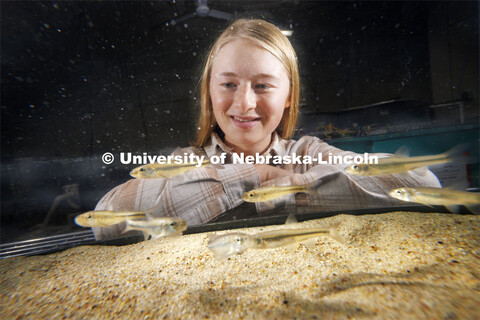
column 228, row 85
column 262, row 86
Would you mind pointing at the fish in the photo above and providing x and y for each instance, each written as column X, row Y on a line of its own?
column 107, row 218
column 157, row 227
column 265, row 194
column 165, row 170
column 224, row 246
column 401, row 163
column 451, row 199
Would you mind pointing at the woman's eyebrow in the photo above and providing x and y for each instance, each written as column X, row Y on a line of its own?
column 260, row 75
column 266, row 75
column 228, row 74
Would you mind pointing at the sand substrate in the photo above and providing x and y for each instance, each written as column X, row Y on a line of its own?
column 393, row 266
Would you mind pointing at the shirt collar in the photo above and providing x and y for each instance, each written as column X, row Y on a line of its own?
column 217, row 146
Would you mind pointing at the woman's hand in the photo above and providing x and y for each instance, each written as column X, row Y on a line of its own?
column 267, row 172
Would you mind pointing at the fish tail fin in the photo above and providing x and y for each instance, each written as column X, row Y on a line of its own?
column 311, row 188
column 291, row 219
column 334, row 234
column 457, row 153
column 215, row 165
column 454, row 208
column 127, row 227
column 146, row 235
column 220, row 252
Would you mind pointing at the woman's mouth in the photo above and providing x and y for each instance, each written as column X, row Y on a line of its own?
column 245, row 122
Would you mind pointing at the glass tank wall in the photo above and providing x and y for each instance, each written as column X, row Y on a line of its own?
column 82, row 79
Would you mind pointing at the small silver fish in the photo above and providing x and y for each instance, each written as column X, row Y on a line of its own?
column 224, row 246
column 157, row 227
column 160, row 170
column 400, row 162
column 265, row 194
column 451, row 199
column 106, row 218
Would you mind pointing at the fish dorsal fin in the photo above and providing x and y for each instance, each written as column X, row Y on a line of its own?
column 402, row 152
column 457, row 153
column 148, row 212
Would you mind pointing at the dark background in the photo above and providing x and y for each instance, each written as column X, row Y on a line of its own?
column 80, row 78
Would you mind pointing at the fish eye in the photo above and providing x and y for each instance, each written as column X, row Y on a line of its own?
column 89, row 216
column 399, row 191
column 173, row 223
column 141, row 169
column 251, row 195
column 355, row 167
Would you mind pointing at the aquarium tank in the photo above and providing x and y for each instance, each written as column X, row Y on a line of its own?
column 83, row 82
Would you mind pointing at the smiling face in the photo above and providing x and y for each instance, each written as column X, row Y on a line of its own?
column 249, row 91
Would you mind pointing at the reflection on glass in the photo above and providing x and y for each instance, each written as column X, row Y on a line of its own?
column 131, row 79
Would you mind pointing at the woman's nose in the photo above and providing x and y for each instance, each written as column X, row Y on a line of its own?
column 245, row 98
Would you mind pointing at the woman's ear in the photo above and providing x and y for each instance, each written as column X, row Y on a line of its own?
column 287, row 103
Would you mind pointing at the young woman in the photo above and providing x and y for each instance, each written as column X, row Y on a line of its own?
column 249, row 106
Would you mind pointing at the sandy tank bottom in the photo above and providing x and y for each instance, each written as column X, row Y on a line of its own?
column 397, row 265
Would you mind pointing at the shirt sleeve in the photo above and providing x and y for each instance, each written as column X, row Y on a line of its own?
column 337, row 190
column 197, row 196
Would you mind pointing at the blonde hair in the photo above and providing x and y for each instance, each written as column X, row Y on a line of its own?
column 270, row 38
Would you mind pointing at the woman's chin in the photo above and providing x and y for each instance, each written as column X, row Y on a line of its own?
column 246, row 144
